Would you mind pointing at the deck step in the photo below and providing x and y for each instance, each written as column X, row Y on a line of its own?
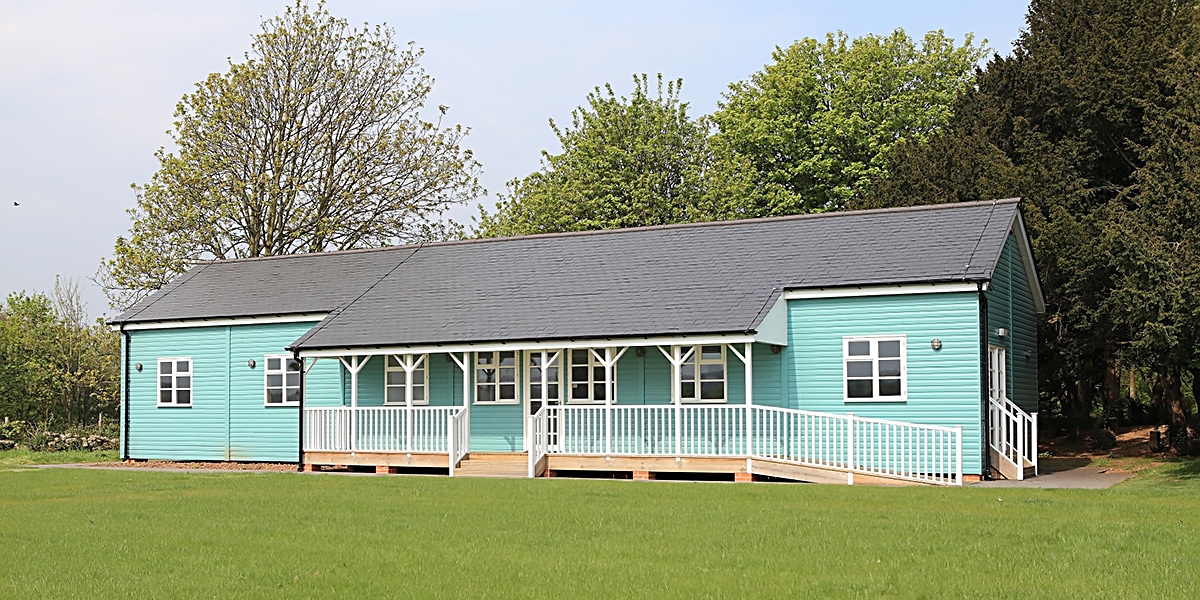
column 506, row 464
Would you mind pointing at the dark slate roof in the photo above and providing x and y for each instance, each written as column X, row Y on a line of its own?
column 675, row 279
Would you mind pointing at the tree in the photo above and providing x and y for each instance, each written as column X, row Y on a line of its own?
column 625, row 162
column 314, row 142
column 818, row 123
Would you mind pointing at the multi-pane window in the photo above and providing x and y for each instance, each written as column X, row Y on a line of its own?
column 702, row 374
column 874, row 368
column 397, row 380
column 587, row 381
column 174, row 382
column 496, row 376
column 283, row 380
column 552, row 372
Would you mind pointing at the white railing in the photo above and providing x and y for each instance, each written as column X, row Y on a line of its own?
column 539, row 438
column 378, row 429
column 1013, row 434
column 459, row 428
column 894, row 449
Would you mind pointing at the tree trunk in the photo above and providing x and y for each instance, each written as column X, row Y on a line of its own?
column 1083, row 405
column 1112, row 388
column 1176, row 410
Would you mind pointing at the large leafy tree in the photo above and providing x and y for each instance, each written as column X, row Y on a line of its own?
column 316, row 141
column 626, row 161
column 1066, row 123
column 818, row 123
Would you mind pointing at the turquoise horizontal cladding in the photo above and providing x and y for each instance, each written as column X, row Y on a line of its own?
column 943, row 386
column 228, row 418
column 1010, row 306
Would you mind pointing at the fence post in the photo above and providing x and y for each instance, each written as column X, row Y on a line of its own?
column 958, row 472
column 1033, row 440
column 532, row 443
column 850, row 441
column 450, row 441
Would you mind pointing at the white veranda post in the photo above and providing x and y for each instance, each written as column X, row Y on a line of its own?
column 410, row 363
column 677, row 361
column 465, row 364
column 748, row 361
column 354, row 366
column 609, row 361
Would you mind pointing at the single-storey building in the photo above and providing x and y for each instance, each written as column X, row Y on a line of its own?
column 896, row 344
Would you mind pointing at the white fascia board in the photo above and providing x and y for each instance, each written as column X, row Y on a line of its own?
column 267, row 320
column 569, row 344
column 883, row 290
column 1031, row 274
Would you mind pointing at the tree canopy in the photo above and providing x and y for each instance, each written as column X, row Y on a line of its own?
column 315, row 141
column 818, row 123
column 625, row 162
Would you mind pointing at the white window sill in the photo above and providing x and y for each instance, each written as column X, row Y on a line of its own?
column 274, row 404
column 874, row 400
column 402, row 405
column 497, row 403
column 174, row 405
column 686, row 401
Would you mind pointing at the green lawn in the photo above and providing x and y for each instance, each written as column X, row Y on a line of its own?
column 86, row 533
column 12, row 458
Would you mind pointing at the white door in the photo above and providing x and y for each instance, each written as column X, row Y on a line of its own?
column 997, row 372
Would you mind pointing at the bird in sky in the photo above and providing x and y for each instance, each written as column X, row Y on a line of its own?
column 16, row 203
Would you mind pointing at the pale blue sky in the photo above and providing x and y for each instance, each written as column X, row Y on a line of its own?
column 87, row 89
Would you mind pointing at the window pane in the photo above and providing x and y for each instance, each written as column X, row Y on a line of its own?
column 553, row 391
column 889, row 349
column 597, row 373
column 395, row 395
column 687, row 371
column 579, row 374
column 274, row 396
column 485, row 393
column 166, row 381
column 859, row 388
column 183, row 397
column 552, row 374
column 859, row 368
column 274, row 364
column 293, row 395
column 552, row 359
column 598, row 392
column 860, row 348
column 508, row 392
column 889, row 368
column 164, row 368
column 687, row 389
column 419, row 377
column 395, row 377
column 182, row 366
column 392, row 362
column 579, row 357
column 274, row 381
column 710, row 353
column 183, row 382
column 164, row 396
column 487, row 358
column 535, row 359
column 712, row 372
column 293, row 365
column 579, row 391
column 889, row 387
column 418, row 393
column 712, row 390
column 508, row 375
column 293, row 380
column 485, row 375
column 508, row 359
column 535, row 390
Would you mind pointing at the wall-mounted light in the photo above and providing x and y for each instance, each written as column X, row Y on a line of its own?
column 639, row 351
column 776, row 348
column 1028, row 354
column 936, row 344
column 250, row 363
column 1001, row 333
column 138, row 366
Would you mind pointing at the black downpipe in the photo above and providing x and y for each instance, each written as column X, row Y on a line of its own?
column 984, row 384
column 125, row 421
column 300, row 418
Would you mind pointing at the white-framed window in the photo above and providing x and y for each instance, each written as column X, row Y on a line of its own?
column 396, row 380
column 874, row 368
column 702, row 374
column 586, row 378
column 533, row 370
column 282, row 377
column 496, row 377
column 175, row 381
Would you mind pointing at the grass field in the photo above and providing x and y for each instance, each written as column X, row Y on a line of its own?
column 88, row 533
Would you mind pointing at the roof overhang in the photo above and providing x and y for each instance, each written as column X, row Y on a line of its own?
column 566, row 344
column 885, row 290
column 219, row 322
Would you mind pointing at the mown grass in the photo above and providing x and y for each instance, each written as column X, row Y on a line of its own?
column 72, row 533
column 22, row 457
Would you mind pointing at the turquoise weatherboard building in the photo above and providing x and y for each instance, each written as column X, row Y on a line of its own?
column 893, row 344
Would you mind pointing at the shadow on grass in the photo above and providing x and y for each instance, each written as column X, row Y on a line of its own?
column 1183, row 468
column 1056, row 464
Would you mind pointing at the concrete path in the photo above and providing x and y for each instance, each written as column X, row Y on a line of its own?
column 1079, row 478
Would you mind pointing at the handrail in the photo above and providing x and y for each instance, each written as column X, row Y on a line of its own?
column 1013, row 434
column 459, row 432
column 539, row 438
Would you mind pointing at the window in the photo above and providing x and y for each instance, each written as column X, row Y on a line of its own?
column 702, row 374
column 496, row 377
column 174, row 382
column 586, row 381
column 874, row 369
column 396, row 379
column 283, row 380
column 553, row 375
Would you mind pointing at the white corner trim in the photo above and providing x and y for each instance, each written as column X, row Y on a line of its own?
column 266, row 320
column 882, row 290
